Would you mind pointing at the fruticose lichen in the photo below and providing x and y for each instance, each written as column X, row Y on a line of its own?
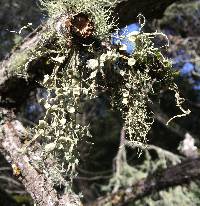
column 97, row 10
column 84, row 66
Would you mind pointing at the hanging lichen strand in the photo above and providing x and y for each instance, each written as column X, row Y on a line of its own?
column 83, row 72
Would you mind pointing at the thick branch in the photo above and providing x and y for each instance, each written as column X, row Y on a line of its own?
column 19, row 52
column 36, row 183
column 172, row 176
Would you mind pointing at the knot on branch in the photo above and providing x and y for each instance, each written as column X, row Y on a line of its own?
column 82, row 26
column 78, row 27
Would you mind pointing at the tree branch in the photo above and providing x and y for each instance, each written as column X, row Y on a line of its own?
column 172, row 176
column 36, row 183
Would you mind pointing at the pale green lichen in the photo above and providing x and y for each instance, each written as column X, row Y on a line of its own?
column 179, row 195
column 59, row 129
column 18, row 62
column 56, row 9
column 97, row 10
column 79, row 77
column 148, row 73
column 73, row 84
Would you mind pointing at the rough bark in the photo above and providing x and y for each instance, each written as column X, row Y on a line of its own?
column 176, row 175
column 36, row 183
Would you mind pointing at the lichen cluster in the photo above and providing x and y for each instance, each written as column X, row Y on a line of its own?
column 98, row 11
column 82, row 72
column 127, row 81
column 59, row 128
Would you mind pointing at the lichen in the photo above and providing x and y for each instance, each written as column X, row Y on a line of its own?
column 82, row 72
column 179, row 195
column 97, row 10
column 18, row 62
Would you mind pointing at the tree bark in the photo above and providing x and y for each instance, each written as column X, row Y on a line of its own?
column 43, row 192
column 36, row 183
column 30, row 42
column 176, row 175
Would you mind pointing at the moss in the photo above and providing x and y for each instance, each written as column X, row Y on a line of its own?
column 23, row 199
column 18, row 62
